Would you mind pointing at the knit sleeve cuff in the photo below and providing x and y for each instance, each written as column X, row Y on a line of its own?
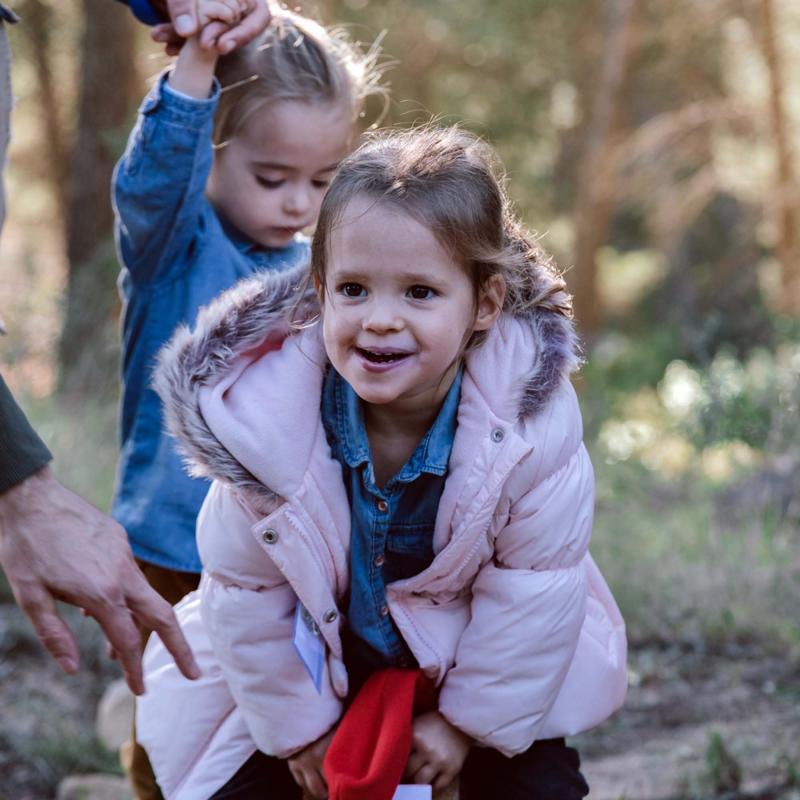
column 22, row 452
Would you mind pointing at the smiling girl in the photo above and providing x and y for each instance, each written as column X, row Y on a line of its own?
column 408, row 479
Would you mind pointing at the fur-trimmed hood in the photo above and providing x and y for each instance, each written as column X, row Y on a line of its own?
column 260, row 314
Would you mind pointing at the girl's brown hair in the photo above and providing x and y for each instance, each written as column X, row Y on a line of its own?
column 448, row 180
column 294, row 59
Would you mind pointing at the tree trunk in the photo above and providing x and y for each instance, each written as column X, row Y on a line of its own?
column 38, row 26
column 108, row 84
column 594, row 201
column 785, row 192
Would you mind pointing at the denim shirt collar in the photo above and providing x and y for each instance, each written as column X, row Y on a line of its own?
column 432, row 453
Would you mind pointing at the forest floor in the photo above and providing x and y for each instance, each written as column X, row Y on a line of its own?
column 722, row 723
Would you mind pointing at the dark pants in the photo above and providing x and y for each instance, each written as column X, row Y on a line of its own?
column 549, row 770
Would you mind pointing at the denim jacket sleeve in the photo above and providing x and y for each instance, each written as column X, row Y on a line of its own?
column 159, row 183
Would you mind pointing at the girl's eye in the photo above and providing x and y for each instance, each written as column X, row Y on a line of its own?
column 320, row 184
column 269, row 183
column 352, row 289
column 421, row 292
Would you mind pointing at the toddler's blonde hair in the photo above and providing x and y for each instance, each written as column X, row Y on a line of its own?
column 295, row 58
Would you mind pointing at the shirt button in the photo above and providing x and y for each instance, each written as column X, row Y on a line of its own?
column 383, row 506
column 384, row 611
column 498, row 434
column 330, row 616
column 380, row 560
column 270, row 536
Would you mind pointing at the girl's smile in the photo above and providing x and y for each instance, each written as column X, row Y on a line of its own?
column 398, row 309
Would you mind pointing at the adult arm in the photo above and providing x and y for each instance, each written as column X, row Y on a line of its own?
column 56, row 546
column 22, row 452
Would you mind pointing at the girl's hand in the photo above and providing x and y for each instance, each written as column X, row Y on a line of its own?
column 438, row 751
column 306, row 768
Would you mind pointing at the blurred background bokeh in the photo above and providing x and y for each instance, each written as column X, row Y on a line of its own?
column 655, row 147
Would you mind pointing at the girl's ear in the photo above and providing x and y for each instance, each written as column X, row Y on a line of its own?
column 490, row 302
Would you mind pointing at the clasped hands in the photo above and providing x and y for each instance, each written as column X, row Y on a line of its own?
column 438, row 752
column 221, row 25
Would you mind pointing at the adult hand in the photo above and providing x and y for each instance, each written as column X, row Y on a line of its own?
column 306, row 768
column 56, row 546
column 438, row 751
column 255, row 16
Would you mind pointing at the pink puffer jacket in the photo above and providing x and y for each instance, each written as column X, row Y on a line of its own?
column 512, row 620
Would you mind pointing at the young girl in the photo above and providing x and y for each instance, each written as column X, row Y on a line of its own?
column 192, row 220
column 404, row 480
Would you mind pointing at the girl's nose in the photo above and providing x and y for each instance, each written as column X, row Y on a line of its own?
column 297, row 200
column 381, row 317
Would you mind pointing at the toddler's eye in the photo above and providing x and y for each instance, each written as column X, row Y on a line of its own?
column 351, row 289
column 269, row 183
column 421, row 292
column 320, row 184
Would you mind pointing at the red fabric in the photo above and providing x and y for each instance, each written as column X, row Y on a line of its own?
column 370, row 749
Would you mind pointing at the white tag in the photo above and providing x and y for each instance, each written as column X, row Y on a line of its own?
column 409, row 791
column 310, row 646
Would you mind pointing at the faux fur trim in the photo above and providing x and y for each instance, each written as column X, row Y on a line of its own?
column 240, row 320
column 260, row 308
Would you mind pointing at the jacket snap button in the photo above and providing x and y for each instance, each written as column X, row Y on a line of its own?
column 330, row 616
column 380, row 560
column 383, row 506
column 498, row 434
column 384, row 611
column 270, row 536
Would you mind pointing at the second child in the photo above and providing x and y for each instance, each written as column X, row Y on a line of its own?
column 226, row 167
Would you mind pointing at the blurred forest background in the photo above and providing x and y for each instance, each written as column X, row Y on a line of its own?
column 655, row 146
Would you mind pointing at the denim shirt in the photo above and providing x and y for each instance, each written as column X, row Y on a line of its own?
column 391, row 534
column 176, row 256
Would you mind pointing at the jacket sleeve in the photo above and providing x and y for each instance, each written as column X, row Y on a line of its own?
column 528, row 606
column 159, row 183
column 248, row 612
column 22, row 452
column 144, row 11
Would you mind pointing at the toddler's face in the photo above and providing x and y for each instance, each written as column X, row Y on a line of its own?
column 270, row 178
column 397, row 308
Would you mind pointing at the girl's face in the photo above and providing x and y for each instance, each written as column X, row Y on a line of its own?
column 398, row 310
column 270, row 178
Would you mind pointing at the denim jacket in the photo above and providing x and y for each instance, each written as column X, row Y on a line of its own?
column 177, row 254
column 391, row 527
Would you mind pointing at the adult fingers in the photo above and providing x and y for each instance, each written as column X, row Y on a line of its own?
column 183, row 14
column 122, row 632
column 210, row 34
column 156, row 613
column 40, row 607
column 226, row 11
column 252, row 25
